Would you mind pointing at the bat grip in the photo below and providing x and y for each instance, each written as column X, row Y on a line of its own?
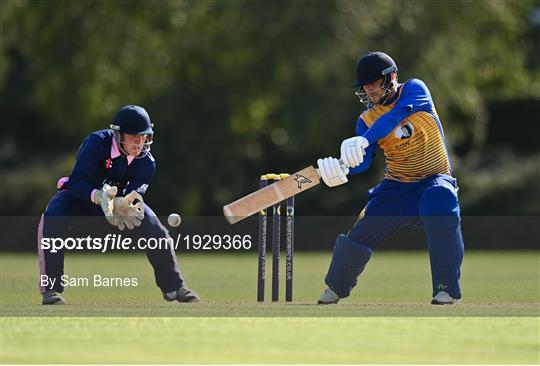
column 343, row 166
column 340, row 163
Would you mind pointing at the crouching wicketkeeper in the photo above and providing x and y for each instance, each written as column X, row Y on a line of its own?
column 112, row 171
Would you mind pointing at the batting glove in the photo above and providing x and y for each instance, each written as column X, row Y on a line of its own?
column 332, row 172
column 353, row 150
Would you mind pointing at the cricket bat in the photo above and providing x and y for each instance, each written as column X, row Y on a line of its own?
column 273, row 193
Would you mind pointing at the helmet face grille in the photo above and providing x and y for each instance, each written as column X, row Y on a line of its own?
column 387, row 86
column 145, row 149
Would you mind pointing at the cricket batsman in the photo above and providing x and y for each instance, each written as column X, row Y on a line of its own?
column 418, row 188
column 112, row 171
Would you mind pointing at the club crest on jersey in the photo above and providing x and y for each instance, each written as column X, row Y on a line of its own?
column 300, row 179
column 405, row 131
column 108, row 163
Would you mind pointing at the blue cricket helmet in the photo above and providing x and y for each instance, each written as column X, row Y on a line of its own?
column 133, row 120
column 372, row 67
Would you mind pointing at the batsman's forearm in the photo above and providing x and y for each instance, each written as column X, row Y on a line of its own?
column 362, row 167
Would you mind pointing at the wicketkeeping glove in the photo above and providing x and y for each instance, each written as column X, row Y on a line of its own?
column 105, row 199
column 128, row 211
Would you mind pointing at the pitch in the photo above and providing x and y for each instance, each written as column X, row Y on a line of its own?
column 387, row 319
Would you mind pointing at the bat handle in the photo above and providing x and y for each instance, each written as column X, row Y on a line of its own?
column 340, row 163
column 343, row 166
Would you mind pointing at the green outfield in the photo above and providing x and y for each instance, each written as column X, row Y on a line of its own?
column 387, row 319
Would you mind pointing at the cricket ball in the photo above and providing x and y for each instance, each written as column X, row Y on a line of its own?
column 174, row 220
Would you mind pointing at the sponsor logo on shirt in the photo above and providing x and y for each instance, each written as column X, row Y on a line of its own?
column 405, row 131
column 142, row 189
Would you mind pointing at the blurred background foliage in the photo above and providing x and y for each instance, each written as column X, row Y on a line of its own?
column 241, row 88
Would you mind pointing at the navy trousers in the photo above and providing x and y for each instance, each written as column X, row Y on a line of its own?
column 68, row 216
column 431, row 204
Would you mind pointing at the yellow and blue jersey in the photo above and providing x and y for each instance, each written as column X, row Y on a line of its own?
column 408, row 130
column 418, row 190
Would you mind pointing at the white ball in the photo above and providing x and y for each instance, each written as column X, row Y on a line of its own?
column 174, row 220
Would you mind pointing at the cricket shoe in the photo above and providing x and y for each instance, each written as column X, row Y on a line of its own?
column 183, row 294
column 52, row 298
column 328, row 297
column 443, row 298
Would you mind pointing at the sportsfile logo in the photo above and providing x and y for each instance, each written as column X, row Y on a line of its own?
column 300, row 179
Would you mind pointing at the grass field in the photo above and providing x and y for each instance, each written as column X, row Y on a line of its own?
column 387, row 319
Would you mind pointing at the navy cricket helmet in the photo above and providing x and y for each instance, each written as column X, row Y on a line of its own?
column 372, row 67
column 133, row 120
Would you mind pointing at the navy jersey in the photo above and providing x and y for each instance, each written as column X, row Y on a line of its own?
column 99, row 161
column 408, row 130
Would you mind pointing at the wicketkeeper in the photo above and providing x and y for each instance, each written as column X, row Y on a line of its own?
column 418, row 188
column 112, row 171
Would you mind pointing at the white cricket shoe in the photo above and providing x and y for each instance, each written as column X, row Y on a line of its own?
column 443, row 298
column 183, row 294
column 328, row 297
column 52, row 297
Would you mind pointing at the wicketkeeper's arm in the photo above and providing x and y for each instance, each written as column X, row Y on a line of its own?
column 90, row 155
